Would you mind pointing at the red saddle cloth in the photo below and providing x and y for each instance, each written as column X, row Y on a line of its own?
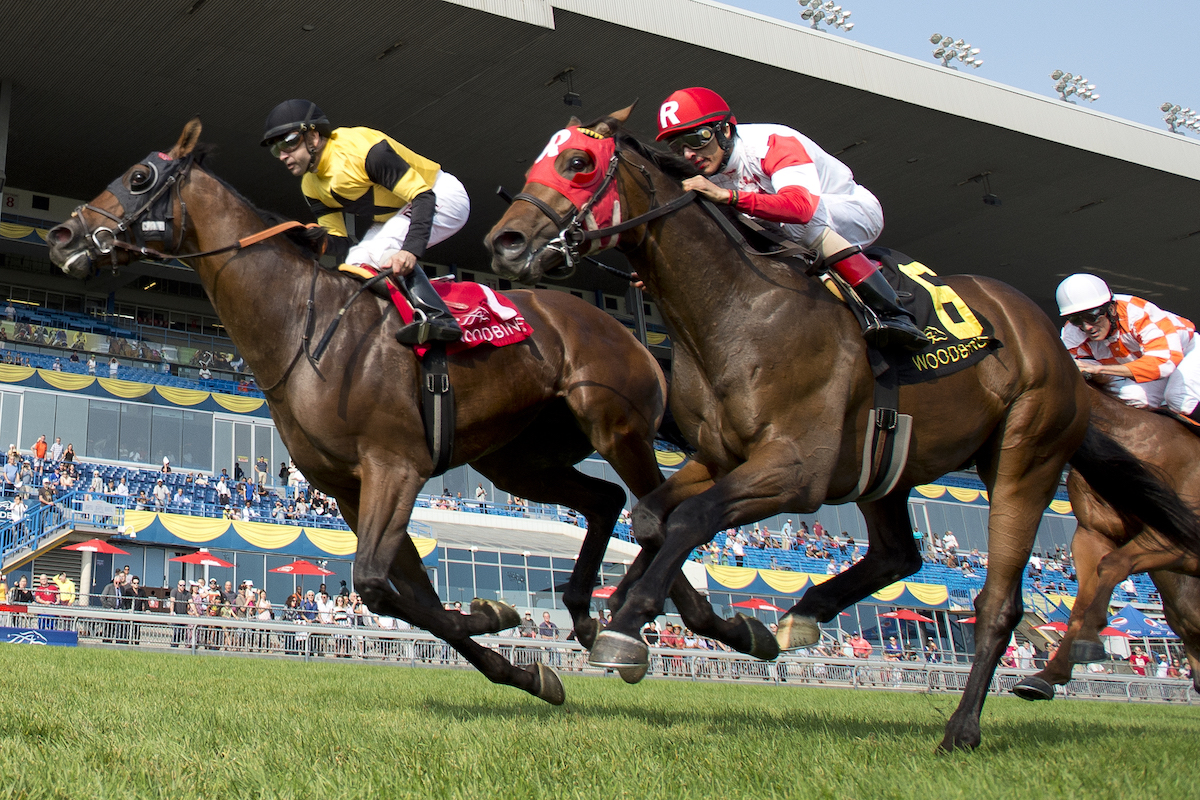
column 484, row 316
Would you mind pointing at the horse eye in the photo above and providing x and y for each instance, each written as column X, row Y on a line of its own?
column 578, row 164
column 140, row 180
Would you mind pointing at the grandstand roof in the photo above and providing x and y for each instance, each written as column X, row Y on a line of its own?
column 469, row 82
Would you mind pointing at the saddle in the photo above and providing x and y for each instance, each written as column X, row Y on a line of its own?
column 485, row 318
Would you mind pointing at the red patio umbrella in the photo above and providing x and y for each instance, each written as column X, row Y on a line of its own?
column 757, row 605
column 97, row 546
column 204, row 559
column 302, row 567
column 1111, row 631
column 1060, row 627
column 905, row 613
column 603, row 592
column 966, row 620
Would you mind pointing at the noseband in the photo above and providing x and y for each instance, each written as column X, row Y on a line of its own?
column 572, row 235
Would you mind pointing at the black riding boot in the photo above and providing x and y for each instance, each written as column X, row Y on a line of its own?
column 432, row 321
column 897, row 328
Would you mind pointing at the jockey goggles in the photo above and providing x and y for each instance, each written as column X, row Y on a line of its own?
column 286, row 144
column 1081, row 318
column 695, row 139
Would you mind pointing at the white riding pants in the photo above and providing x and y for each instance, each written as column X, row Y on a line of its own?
column 450, row 213
column 1179, row 391
column 857, row 217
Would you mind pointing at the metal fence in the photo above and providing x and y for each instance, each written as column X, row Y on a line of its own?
column 207, row 635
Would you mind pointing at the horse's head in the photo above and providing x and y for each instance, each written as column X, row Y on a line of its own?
column 136, row 208
column 570, row 193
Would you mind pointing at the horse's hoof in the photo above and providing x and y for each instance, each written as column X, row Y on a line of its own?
column 549, row 687
column 1085, row 652
column 796, row 631
column 585, row 632
column 618, row 651
column 633, row 674
column 961, row 744
column 762, row 643
column 1034, row 688
column 503, row 615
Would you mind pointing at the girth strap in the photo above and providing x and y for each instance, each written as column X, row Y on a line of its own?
column 437, row 406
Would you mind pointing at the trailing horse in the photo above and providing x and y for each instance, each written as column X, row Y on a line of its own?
column 1109, row 546
column 772, row 385
column 526, row 413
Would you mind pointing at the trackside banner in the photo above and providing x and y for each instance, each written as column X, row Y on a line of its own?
column 34, row 636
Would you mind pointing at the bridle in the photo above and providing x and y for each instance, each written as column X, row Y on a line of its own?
column 572, row 235
column 155, row 216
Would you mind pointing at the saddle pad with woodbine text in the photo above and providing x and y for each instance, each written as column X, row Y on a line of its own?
column 484, row 316
column 959, row 337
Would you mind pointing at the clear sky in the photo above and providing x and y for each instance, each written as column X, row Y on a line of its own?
column 1138, row 53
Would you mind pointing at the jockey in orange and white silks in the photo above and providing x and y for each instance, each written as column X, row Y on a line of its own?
column 777, row 174
column 1150, row 354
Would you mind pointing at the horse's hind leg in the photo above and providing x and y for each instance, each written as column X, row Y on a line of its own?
column 391, row 580
column 1087, row 548
column 1022, row 485
column 599, row 501
column 891, row 555
column 1181, row 604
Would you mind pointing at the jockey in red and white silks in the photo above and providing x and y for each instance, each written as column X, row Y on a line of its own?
column 783, row 176
column 1151, row 356
column 777, row 174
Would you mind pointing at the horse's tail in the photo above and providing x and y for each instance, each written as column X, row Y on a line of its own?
column 1136, row 489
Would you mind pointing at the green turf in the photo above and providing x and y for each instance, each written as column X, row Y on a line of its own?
column 85, row 723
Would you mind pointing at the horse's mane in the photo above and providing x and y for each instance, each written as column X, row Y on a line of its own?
column 307, row 240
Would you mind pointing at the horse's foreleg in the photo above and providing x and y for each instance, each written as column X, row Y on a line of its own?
column 1087, row 548
column 649, row 520
column 891, row 556
column 756, row 489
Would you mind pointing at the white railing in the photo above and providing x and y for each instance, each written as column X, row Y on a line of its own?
column 218, row 635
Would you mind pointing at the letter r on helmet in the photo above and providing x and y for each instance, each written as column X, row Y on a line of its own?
column 667, row 114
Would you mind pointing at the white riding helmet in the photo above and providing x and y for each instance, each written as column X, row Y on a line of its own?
column 1081, row 292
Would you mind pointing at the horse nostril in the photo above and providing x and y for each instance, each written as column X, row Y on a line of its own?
column 510, row 243
column 59, row 235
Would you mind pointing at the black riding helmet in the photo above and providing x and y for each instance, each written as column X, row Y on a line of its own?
column 294, row 115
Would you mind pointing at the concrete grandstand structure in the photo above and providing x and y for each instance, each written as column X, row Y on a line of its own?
column 472, row 83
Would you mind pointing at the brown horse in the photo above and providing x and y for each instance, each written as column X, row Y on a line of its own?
column 1108, row 546
column 526, row 413
column 772, row 386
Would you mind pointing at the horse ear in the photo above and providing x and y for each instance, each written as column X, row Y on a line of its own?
column 574, row 122
column 619, row 117
column 188, row 139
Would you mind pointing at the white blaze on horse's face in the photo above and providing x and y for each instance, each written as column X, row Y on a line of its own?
column 553, row 147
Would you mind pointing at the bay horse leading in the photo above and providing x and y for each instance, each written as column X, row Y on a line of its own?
column 526, row 413
column 771, row 384
column 1109, row 546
